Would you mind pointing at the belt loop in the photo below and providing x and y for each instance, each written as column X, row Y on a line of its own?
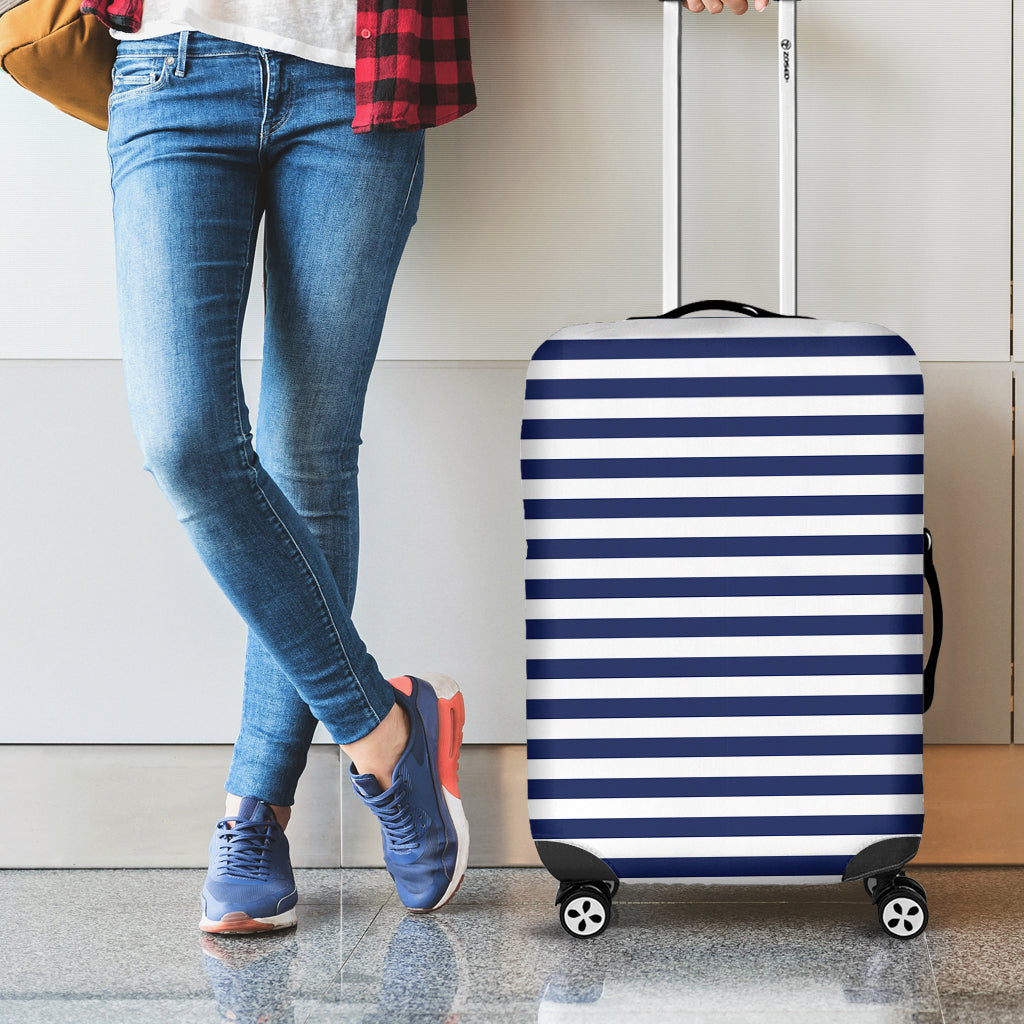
column 182, row 47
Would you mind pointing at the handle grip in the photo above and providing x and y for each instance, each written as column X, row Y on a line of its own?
column 726, row 305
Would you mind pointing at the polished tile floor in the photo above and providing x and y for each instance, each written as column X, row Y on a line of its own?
column 122, row 946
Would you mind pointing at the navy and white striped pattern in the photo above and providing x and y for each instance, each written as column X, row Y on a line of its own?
column 724, row 595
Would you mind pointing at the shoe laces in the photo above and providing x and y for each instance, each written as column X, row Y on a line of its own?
column 397, row 821
column 244, row 848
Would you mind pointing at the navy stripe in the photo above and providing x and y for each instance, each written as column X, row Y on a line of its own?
column 727, row 547
column 725, row 746
column 756, row 505
column 738, row 625
column 667, row 668
column 723, row 426
column 726, row 347
column 732, row 586
column 786, row 785
column 771, row 825
column 727, row 867
column 742, row 465
column 726, row 387
column 723, row 707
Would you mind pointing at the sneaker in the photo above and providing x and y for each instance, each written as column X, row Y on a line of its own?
column 426, row 836
column 249, row 887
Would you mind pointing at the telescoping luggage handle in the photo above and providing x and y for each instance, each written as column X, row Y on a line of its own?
column 671, row 107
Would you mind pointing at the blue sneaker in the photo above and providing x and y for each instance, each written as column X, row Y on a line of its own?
column 426, row 836
column 249, row 887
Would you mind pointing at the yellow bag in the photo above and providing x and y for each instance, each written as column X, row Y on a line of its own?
column 55, row 51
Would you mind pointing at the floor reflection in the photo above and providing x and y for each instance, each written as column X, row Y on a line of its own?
column 251, row 976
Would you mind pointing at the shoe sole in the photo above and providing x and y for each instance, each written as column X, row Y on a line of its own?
column 240, row 923
column 451, row 716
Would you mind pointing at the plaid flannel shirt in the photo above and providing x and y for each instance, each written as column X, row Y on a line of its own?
column 413, row 67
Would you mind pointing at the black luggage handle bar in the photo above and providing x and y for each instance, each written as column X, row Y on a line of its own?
column 723, row 304
column 931, row 577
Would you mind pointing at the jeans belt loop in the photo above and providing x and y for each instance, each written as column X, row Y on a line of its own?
column 179, row 69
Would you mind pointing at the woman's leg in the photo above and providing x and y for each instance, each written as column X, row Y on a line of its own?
column 189, row 165
column 339, row 209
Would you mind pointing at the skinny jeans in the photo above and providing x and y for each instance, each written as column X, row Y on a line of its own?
column 207, row 137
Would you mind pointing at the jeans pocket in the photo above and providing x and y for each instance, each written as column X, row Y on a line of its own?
column 133, row 75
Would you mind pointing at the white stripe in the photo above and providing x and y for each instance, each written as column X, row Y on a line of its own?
column 723, row 486
column 760, row 366
column 725, row 728
column 838, row 645
column 751, row 405
column 729, row 526
column 729, row 846
column 714, row 568
column 722, row 767
column 724, row 607
column 728, row 806
column 718, row 326
column 718, row 447
column 726, row 686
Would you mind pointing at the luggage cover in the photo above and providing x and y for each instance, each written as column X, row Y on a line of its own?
column 724, row 595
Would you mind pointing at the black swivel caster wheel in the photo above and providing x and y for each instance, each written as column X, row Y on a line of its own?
column 585, row 911
column 903, row 911
column 871, row 885
column 912, row 884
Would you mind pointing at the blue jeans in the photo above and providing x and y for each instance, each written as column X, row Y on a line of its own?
column 206, row 136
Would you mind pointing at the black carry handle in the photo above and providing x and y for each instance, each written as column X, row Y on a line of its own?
column 932, row 579
column 723, row 304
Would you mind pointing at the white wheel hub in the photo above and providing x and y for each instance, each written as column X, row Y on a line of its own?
column 903, row 916
column 583, row 914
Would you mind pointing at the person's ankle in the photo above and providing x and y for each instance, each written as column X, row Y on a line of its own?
column 232, row 804
column 379, row 752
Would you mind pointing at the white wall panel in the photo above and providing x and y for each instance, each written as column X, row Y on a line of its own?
column 57, row 263
column 97, row 792
column 904, row 167
column 543, row 206
column 111, row 630
column 540, row 208
column 968, row 506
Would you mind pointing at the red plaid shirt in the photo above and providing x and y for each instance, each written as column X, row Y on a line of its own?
column 413, row 68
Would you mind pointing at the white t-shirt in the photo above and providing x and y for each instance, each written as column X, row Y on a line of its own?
column 320, row 30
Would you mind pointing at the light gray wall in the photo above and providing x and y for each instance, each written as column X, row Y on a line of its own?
column 541, row 209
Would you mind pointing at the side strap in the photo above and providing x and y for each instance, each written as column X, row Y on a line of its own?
column 932, row 580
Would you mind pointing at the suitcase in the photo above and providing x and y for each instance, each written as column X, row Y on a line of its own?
column 724, row 587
